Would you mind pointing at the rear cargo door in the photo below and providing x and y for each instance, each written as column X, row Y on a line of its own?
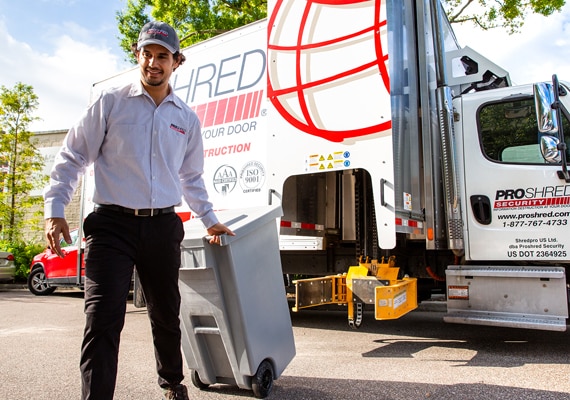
column 329, row 89
column 516, row 206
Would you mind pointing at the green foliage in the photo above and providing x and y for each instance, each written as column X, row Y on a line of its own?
column 194, row 20
column 509, row 14
column 23, row 254
column 20, row 161
column 131, row 20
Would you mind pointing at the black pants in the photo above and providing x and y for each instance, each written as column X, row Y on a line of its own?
column 115, row 243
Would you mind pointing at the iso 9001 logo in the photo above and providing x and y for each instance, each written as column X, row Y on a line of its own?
column 225, row 179
column 252, row 177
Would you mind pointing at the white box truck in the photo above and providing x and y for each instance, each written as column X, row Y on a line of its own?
column 383, row 139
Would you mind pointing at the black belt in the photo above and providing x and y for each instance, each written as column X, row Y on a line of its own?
column 139, row 212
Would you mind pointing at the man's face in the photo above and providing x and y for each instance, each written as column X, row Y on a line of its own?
column 156, row 64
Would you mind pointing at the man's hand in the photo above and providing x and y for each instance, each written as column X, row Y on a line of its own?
column 216, row 230
column 55, row 227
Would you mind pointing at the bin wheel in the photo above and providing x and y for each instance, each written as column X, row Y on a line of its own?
column 196, row 381
column 262, row 381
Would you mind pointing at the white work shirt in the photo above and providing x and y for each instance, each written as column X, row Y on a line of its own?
column 144, row 156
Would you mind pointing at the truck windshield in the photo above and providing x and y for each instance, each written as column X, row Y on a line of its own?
column 508, row 132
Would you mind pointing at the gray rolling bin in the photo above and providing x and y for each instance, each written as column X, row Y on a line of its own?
column 236, row 326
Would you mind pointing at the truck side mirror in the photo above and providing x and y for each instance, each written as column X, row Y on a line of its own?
column 549, row 149
column 545, row 115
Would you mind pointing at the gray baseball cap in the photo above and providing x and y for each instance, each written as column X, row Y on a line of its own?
column 157, row 32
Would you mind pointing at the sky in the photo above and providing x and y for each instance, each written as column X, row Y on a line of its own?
column 62, row 47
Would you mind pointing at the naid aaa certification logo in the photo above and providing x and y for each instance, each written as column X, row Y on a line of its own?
column 225, row 179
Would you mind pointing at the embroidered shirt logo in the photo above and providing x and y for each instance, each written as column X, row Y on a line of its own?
column 177, row 129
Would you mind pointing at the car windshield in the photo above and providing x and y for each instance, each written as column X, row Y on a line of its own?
column 74, row 235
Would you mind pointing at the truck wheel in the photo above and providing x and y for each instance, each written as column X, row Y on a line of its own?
column 197, row 382
column 262, row 381
column 37, row 283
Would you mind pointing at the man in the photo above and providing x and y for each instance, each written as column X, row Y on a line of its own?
column 147, row 151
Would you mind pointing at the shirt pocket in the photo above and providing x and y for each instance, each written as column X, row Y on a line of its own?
column 127, row 140
column 173, row 146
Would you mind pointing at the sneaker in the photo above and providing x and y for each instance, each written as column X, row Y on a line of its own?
column 175, row 392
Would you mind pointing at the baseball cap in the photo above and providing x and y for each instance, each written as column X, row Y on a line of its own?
column 157, row 32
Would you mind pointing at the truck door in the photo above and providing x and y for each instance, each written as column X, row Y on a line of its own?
column 516, row 206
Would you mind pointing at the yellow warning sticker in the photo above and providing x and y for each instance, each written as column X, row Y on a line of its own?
column 328, row 161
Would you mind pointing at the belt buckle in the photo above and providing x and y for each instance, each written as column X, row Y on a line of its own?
column 142, row 215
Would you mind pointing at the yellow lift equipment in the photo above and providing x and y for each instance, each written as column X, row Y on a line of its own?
column 368, row 283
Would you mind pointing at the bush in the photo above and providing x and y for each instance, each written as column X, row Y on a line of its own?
column 23, row 254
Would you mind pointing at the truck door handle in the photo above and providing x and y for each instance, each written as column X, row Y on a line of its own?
column 481, row 207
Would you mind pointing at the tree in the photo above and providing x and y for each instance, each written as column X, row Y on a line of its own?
column 509, row 14
column 195, row 20
column 20, row 161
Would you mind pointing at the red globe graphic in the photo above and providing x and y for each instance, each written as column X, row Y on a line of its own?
column 328, row 67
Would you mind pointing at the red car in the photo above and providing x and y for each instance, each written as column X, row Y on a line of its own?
column 48, row 271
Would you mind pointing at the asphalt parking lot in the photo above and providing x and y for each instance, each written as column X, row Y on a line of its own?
column 416, row 357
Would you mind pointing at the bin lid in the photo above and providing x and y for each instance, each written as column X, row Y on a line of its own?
column 241, row 221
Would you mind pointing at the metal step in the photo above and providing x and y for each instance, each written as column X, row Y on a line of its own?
column 506, row 320
column 508, row 272
column 532, row 297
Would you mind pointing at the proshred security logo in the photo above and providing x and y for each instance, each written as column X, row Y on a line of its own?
column 154, row 31
column 532, row 197
column 230, row 109
column 177, row 129
column 225, row 179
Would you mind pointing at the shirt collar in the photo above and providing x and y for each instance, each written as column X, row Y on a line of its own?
column 137, row 89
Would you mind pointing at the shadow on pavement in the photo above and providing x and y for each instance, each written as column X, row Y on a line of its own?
column 297, row 388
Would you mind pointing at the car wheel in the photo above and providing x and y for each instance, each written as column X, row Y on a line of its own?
column 37, row 283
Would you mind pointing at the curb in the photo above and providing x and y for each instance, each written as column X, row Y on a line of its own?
column 13, row 286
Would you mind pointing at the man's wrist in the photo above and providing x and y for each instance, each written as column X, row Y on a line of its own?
column 53, row 210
